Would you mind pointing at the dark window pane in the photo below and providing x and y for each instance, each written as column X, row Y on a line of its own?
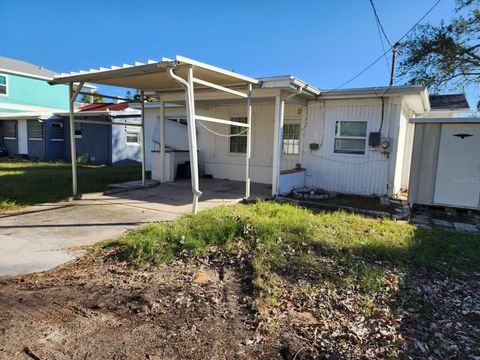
column 35, row 130
column 238, row 144
column 10, row 129
column 352, row 128
column 132, row 138
column 78, row 129
column 56, row 131
column 350, row 146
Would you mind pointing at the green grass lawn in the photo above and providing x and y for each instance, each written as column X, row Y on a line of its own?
column 30, row 183
column 319, row 262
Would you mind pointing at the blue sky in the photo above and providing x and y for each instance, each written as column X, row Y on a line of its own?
column 323, row 42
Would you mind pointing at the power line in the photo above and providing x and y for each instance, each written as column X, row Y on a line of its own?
column 379, row 23
column 386, row 52
column 381, row 30
column 383, row 48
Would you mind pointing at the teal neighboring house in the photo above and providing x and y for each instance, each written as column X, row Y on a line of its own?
column 27, row 102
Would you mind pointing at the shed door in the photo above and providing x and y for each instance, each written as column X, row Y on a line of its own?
column 458, row 170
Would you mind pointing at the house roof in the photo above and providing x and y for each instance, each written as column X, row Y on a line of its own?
column 20, row 67
column 449, row 102
column 23, row 67
column 288, row 81
column 104, row 107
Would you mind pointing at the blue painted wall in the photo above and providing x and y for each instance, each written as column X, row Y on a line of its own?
column 95, row 141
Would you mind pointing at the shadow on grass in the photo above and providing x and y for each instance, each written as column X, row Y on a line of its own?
column 24, row 184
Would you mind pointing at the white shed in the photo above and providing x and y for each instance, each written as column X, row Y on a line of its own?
column 445, row 167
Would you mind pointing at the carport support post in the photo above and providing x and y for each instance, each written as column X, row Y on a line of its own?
column 162, row 141
column 142, row 117
column 73, row 149
column 249, row 142
column 277, row 144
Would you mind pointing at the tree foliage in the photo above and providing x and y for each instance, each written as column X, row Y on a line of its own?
column 95, row 98
column 447, row 55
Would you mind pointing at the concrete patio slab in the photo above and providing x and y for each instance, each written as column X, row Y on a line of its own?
column 42, row 237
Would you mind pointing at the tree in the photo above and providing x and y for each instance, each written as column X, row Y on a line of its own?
column 97, row 98
column 445, row 56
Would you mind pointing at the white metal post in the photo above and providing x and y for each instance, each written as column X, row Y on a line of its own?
column 162, row 141
column 277, row 144
column 192, row 138
column 73, row 150
column 249, row 142
column 142, row 117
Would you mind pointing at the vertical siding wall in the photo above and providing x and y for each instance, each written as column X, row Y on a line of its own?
column 369, row 174
column 215, row 152
column 357, row 174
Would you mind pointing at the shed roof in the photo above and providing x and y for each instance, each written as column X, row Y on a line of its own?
column 449, row 102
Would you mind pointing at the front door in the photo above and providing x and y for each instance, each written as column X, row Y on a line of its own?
column 22, row 137
column 458, row 169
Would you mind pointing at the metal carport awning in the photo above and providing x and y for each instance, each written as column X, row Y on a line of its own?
column 163, row 77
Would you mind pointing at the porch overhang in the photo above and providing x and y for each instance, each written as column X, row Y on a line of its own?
column 182, row 75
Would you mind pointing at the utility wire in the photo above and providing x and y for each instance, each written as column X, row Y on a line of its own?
column 386, row 52
column 381, row 30
column 387, row 63
column 379, row 23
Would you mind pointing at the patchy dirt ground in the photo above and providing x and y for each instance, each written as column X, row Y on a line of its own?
column 98, row 308
column 93, row 309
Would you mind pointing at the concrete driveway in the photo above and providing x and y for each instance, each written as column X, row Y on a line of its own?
column 42, row 237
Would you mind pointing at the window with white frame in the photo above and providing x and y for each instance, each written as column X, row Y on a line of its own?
column 291, row 139
column 35, row 130
column 238, row 142
column 10, row 130
column 3, row 85
column 350, row 137
column 78, row 130
column 133, row 137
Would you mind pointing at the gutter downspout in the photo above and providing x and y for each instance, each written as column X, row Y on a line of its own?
column 192, row 139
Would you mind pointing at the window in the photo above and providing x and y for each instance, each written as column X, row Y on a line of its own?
column 56, row 131
column 3, row 85
column 291, row 139
column 78, row 130
column 350, row 137
column 10, row 130
column 35, row 130
column 133, row 138
column 182, row 121
column 238, row 143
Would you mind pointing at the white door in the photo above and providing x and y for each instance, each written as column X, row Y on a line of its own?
column 22, row 136
column 458, row 169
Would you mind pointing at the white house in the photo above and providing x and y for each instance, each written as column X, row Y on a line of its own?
column 356, row 141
